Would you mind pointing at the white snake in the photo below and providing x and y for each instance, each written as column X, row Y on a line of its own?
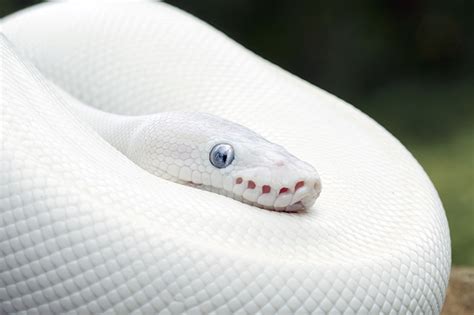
column 83, row 229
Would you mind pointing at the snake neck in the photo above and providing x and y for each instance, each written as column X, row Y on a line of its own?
column 117, row 130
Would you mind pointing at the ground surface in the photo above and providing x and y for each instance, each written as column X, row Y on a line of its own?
column 460, row 296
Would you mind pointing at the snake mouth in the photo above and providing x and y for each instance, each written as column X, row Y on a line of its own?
column 291, row 198
column 299, row 197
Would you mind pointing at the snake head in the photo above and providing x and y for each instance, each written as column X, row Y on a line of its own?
column 214, row 154
column 265, row 174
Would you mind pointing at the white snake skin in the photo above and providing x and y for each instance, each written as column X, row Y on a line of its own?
column 85, row 230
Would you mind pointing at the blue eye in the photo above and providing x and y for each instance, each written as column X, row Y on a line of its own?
column 221, row 155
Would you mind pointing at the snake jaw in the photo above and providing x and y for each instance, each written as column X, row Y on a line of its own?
column 283, row 199
column 297, row 197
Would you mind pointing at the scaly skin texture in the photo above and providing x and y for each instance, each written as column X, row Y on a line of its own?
column 176, row 146
column 85, row 230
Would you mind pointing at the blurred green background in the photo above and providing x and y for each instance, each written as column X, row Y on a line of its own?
column 408, row 64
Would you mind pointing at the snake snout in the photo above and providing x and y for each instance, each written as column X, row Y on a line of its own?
column 274, row 179
column 299, row 196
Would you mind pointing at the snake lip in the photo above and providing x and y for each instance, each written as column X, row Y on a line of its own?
column 291, row 198
column 293, row 208
column 294, row 196
column 297, row 206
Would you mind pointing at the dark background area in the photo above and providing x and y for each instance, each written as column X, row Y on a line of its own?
column 407, row 64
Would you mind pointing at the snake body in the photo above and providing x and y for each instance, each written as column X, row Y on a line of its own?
column 86, row 230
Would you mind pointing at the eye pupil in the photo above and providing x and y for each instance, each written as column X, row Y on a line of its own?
column 221, row 155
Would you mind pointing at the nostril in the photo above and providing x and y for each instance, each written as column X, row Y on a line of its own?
column 251, row 184
column 239, row 180
column 283, row 190
column 299, row 185
column 266, row 189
